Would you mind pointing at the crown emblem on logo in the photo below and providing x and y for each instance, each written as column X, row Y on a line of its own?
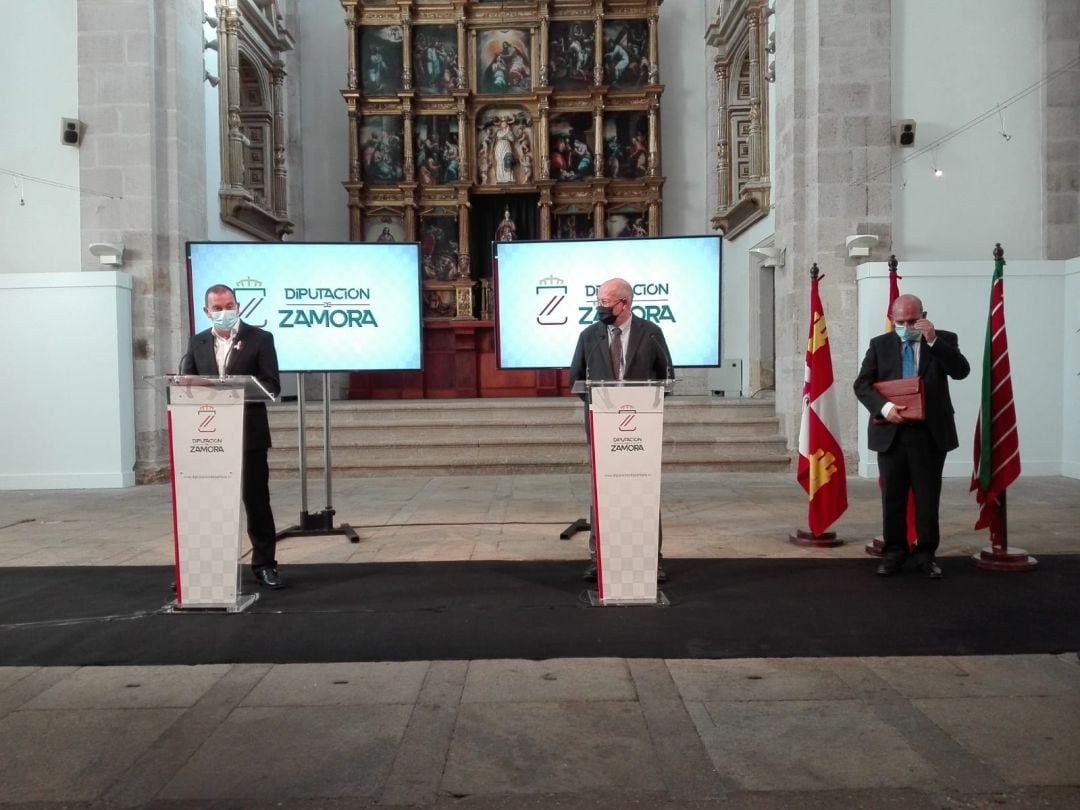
column 248, row 282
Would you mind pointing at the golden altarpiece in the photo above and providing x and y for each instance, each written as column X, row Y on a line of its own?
column 473, row 121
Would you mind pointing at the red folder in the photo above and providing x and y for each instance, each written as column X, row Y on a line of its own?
column 908, row 392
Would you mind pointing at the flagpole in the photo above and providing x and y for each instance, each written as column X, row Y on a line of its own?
column 997, row 556
column 804, row 537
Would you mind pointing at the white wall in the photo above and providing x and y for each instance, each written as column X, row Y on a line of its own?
column 69, row 413
column 956, row 296
column 324, row 145
column 1070, row 384
column 951, row 62
column 39, row 223
column 684, row 119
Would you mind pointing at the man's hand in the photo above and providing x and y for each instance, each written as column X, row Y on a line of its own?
column 895, row 416
column 927, row 329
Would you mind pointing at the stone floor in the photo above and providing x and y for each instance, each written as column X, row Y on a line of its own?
column 606, row 733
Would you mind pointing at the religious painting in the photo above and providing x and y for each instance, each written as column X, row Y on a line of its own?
column 570, row 154
column 504, row 61
column 384, row 228
column 381, row 151
column 573, row 226
column 572, row 50
column 380, row 59
column 626, row 145
column 504, row 147
column 626, row 53
column 626, row 225
column 439, row 248
column 437, row 149
column 435, row 59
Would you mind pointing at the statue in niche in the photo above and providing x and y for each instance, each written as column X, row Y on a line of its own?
column 507, row 230
column 504, row 151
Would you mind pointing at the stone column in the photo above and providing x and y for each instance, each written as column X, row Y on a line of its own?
column 144, row 107
column 834, row 124
column 1061, row 130
column 723, row 176
column 279, row 190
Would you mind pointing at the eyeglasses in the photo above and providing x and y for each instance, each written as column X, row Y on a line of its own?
column 602, row 303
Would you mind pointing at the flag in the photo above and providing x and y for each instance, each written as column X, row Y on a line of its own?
column 997, row 446
column 821, row 461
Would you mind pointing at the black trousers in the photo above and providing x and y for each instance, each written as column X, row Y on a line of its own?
column 915, row 463
column 255, row 487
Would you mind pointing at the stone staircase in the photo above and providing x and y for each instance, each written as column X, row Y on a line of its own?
column 496, row 436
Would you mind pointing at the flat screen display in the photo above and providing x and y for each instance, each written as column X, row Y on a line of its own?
column 546, row 294
column 348, row 306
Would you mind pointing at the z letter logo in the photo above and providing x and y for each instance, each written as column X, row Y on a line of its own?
column 627, row 424
column 207, row 424
column 557, row 290
column 255, row 294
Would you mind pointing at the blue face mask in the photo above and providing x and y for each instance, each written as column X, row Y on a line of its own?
column 908, row 334
column 225, row 319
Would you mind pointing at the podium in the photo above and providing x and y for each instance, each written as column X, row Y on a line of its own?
column 206, row 448
column 626, row 433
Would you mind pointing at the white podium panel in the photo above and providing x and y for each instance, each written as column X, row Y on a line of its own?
column 627, row 428
column 206, row 434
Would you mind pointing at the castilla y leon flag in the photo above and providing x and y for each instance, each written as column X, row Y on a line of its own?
column 997, row 446
column 821, row 461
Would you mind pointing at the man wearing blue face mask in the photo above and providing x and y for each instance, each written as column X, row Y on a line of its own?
column 231, row 346
column 911, row 454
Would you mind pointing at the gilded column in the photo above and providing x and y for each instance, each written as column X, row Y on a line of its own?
column 356, row 216
column 598, row 38
column 463, row 143
column 354, row 142
column 545, row 213
column 654, row 218
column 406, row 56
column 544, row 172
column 464, row 262
column 462, row 62
column 352, row 76
column 654, row 48
column 654, row 137
column 544, row 22
column 407, row 118
column 279, row 193
column 598, row 141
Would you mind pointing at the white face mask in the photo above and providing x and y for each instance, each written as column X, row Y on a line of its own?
column 225, row 319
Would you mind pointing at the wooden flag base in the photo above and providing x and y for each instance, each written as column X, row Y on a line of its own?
column 1000, row 559
column 875, row 548
column 810, row 540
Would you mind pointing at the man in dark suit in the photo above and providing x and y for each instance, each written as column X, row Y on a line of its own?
column 911, row 454
column 234, row 347
column 618, row 338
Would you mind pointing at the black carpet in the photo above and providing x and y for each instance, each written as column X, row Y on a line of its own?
column 721, row 608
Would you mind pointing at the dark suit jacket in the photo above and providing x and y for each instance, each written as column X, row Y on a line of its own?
column 937, row 363
column 252, row 354
column 646, row 357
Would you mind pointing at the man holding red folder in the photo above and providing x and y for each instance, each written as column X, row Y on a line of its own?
column 911, row 452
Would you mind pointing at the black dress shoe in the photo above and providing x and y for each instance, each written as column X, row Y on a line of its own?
column 931, row 569
column 268, row 578
column 661, row 574
column 889, row 568
column 590, row 573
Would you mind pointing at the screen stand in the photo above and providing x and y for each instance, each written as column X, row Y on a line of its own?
column 579, row 525
column 317, row 523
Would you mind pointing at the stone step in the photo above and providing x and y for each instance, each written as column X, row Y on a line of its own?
column 381, row 434
column 439, row 437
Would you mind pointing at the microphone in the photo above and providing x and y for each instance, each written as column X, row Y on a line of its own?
column 186, row 361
